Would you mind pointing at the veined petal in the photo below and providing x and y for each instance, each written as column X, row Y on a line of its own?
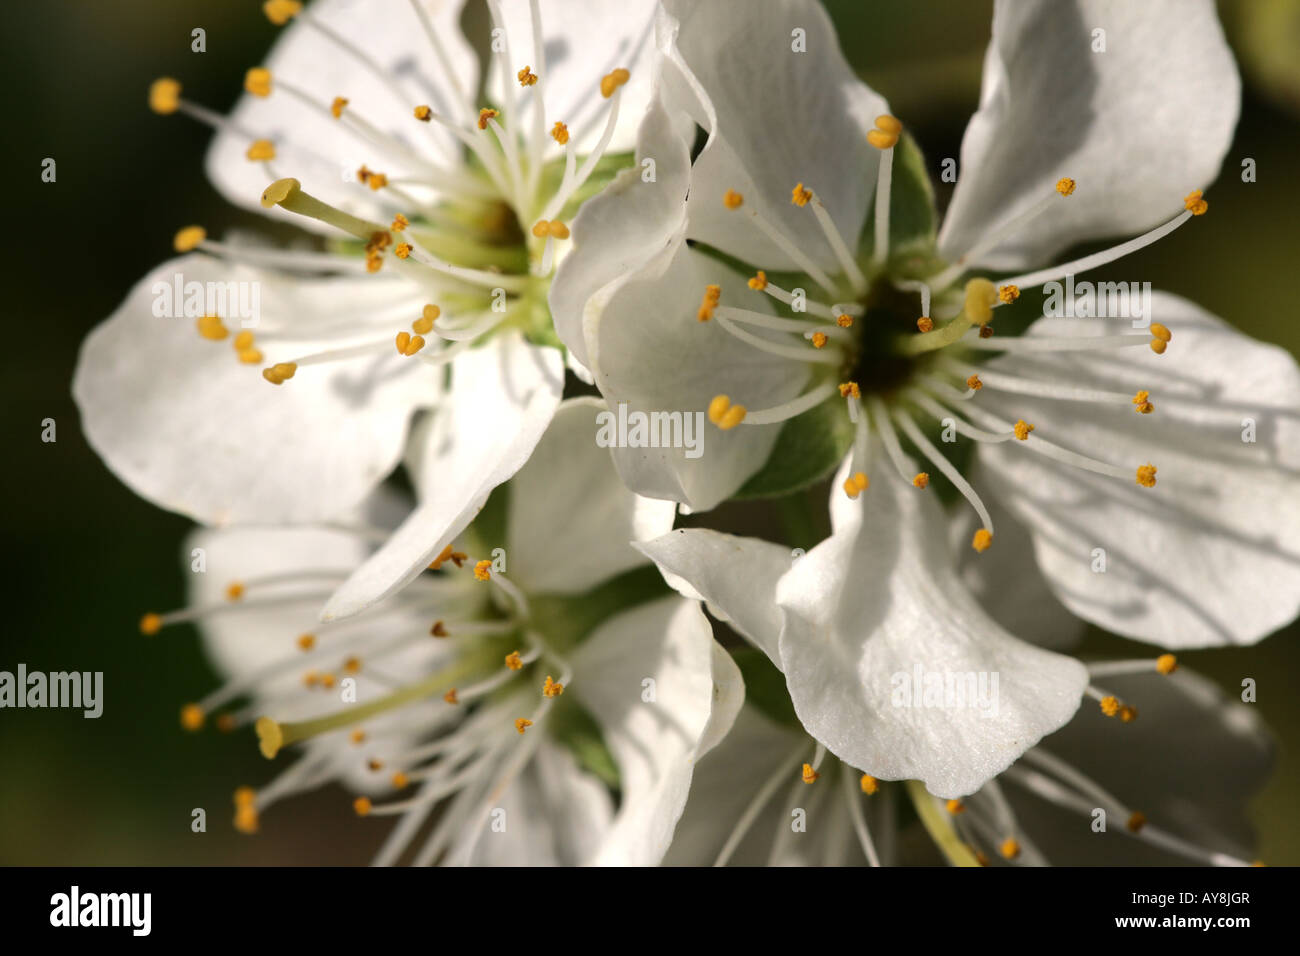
column 875, row 618
column 783, row 117
column 655, row 730
column 735, row 576
column 320, row 150
column 185, row 424
column 1211, row 554
column 1136, row 126
column 583, row 42
column 572, row 521
column 503, row 395
column 650, row 354
column 629, row 224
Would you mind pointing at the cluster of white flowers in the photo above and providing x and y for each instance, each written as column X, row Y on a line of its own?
column 672, row 210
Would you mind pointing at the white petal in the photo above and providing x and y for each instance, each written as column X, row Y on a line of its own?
column 186, row 425
column 503, row 395
column 1006, row 580
column 1137, row 126
column 783, row 117
column 1209, row 556
column 582, row 43
column 628, row 225
column 736, row 576
column 1158, row 765
column 655, row 742
column 555, row 814
column 571, row 520
column 878, row 602
column 649, row 352
column 319, row 150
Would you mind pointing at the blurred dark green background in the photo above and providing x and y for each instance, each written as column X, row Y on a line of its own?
column 85, row 557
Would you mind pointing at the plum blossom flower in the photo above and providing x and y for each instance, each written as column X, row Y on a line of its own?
column 438, row 193
column 786, row 276
column 513, row 700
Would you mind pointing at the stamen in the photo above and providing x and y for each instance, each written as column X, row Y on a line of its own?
column 854, row 801
column 782, row 412
column 780, row 240
column 724, row 414
column 796, row 352
column 756, row 805
column 884, row 137
column 952, row 473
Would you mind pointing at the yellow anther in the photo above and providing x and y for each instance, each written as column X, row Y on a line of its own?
column 258, row 81
column 732, row 199
column 1166, row 663
column 800, row 196
column 281, row 12
column 514, row 661
column 279, row 373
column 399, row 223
column 327, row 681
column 558, row 230
column 819, row 340
column 450, row 697
column 403, row 340
column 1194, row 204
column 890, row 124
column 1146, row 476
column 1109, row 705
column 211, row 327
column 612, row 81
column 808, row 774
column 881, row 139
column 1022, row 429
column 1065, row 186
column 352, row 665
column 362, row 806
column 1136, row 821
column 403, row 250
column 869, row 784
column 250, row 356
column 712, row 296
column 1128, row 714
column 408, row 344
column 246, row 819
column 226, row 723
column 234, row 591
column 982, row 540
column 527, row 77
column 423, row 113
column 191, row 716
column 338, row 105
column 1161, row 332
column 1010, row 848
column 279, row 191
column 311, row 679
column 260, row 151
column 1008, row 293
column 306, row 642
column 438, row 629
column 522, row 724
column 724, row 414
column 151, row 624
column 955, row 807
column 986, row 332
column 376, row 181
column 552, row 688
column 429, row 315
column 925, row 324
column 243, row 341
column 447, row 553
column 973, row 382
column 758, row 282
column 187, row 239
column 401, row 780
column 1158, row 346
column 357, row 736
column 848, row 389
column 484, row 115
column 560, row 133
column 980, row 296
column 483, row 570
column 844, row 320
column 244, row 796
column 856, row 483
column 1142, row 401
column 540, row 228
column 164, row 96
column 922, row 480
